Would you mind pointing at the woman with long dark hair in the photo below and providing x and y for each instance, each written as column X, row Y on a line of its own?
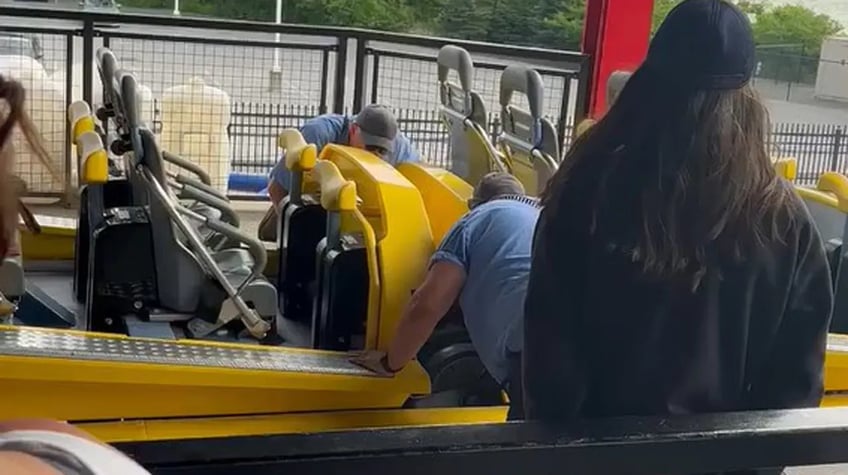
column 673, row 271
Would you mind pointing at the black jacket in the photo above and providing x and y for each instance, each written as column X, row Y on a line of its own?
column 600, row 340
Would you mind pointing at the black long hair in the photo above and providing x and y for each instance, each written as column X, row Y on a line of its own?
column 677, row 178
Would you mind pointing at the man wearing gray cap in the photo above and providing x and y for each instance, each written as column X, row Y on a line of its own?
column 374, row 129
column 484, row 262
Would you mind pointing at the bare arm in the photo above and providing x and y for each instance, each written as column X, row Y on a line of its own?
column 276, row 192
column 17, row 463
column 425, row 309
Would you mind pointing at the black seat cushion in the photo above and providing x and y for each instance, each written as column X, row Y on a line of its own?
column 341, row 300
column 303, row 228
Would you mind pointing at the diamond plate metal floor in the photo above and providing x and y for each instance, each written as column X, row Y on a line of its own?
column 22, row 341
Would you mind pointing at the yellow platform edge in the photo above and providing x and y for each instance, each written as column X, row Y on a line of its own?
column 210, row 427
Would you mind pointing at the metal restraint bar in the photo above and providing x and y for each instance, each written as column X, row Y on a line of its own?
column 636, row 446
column 23, row 341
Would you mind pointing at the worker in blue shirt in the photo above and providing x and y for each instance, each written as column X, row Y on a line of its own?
column 374, row 129
column 484, row 261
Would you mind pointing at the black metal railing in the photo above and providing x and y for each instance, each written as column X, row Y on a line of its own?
column 817, row 147
column 254, row 128
column 268, row 73
column 718, row 443
column 272, row 84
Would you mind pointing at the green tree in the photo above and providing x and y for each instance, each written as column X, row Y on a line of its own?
column 794, row 24
column 789, row 40
column 464, row 19
column 427, row 14
column 751, row 7
column 562, row 24
column 391, row 15
column 515, row 22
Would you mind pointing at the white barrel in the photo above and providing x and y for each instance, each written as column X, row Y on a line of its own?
column 145, row 105
column 60, row 77
column 194, row 126
column 45, row 104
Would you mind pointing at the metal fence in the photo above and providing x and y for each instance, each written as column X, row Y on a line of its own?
column 789, row 73
column 271, row 76
column 817, row 147
column 254, row 128
column 264, row 85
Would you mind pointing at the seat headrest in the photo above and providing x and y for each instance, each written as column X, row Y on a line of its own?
column 516, row 78
column 300, row 156
column 81, row 120
column 89, row 143
column 78, row 110
column 615, row 84
column 457, row 59
column 95, row 161
column 786, row 168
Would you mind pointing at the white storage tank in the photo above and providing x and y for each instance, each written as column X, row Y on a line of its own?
column 60, row 76
column 145, row 106
column 45, row 104
column 194, row 126
column 832, row 80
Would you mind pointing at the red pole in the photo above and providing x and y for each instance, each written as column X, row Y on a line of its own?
column 615, row 35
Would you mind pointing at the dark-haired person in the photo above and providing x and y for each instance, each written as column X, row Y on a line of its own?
column 40, row 447
column 374, row 128
column 673, row 272
column 483, row 262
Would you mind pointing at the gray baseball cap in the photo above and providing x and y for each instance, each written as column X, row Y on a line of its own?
column 494, row 185
column 377, row 126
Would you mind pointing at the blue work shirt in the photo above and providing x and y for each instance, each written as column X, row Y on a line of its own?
column 492, row 243
column 335, row 128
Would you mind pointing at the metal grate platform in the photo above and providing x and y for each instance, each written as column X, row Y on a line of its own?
column 22, row 341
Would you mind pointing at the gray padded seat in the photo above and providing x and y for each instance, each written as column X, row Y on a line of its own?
column 12, row 282
column 528, row 140
column 180, row 274
column 615, row 84
column 472, row 155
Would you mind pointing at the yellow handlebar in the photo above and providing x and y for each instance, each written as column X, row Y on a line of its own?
column 837, row 184
column 786, row 168
column 337, row 194
column 81, row 120
column 78, row 109
column 300, row 156
column 95, row 161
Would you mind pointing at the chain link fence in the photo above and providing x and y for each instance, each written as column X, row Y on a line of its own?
column 218, row 92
